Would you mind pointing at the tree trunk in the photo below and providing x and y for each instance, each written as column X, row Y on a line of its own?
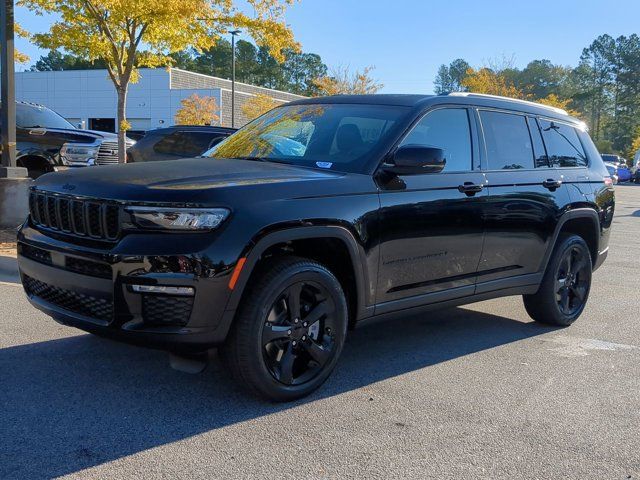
column 122, row 117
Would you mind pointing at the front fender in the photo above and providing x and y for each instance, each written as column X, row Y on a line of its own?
column 356, row 252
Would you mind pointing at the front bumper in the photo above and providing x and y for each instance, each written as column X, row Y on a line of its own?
column 91, row 289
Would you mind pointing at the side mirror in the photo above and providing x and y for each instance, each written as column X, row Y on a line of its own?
column 416, row 160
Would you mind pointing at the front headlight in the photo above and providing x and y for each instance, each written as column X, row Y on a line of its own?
column 78, row 153
column 197, row 219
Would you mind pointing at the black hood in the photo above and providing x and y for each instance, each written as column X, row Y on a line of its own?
column 199, row 180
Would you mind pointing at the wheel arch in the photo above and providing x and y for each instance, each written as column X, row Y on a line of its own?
column 34, row 156
column 296, row 234
column 583, row 222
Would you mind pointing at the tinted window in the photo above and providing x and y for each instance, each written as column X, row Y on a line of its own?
column 539, row 152
column 449, row 130
column 371, row 129
column 184, row 143
column 563, row 145
column 335, row 136
column 507, row 140
column 36, row 116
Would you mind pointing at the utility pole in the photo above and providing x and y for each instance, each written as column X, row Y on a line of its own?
column 233, row 76
column 7, row 87
column 14, row 184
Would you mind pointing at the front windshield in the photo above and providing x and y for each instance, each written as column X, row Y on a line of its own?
column 37, row 116
column 333, row 136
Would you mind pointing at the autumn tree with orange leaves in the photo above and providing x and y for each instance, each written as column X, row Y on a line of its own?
column 197, row 110
column 129, row 34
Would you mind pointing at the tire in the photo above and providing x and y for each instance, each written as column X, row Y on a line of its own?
column 273, row 351
column 561, row 298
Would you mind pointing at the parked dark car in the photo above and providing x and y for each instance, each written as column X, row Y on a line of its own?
column 179, row 141
column 320, row 214
column 46, row 142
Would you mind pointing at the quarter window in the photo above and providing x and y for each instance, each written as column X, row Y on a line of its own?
column 448, row 129
column 563, row 145
column 507, row 140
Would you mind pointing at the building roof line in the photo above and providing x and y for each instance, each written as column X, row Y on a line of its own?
column 227, row 80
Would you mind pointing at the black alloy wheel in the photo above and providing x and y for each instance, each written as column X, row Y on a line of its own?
column 298, row 336
column 564, row 289
column 573, row 280
column 289, row 331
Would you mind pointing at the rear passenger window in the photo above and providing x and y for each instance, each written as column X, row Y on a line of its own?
column 188, row 144
column 539, row 152
column 448, row 129
column 507, row 140
column 563, row 145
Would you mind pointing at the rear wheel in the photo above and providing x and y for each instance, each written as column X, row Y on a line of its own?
column 565, row 286
column 290, row 330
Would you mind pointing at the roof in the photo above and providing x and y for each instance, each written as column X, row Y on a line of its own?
column 195, row 128
column 461, row 98
column 404, row 100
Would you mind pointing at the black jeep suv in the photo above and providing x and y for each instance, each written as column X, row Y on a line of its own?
column 320, row 214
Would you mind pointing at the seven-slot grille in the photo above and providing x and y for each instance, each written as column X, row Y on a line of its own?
column 75, row 216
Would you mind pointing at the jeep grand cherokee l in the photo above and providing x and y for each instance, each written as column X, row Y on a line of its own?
column 320, row 214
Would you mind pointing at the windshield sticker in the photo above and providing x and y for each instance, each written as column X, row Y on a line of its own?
column 324, row 164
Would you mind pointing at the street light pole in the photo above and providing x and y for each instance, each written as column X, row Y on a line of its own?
column 233, row 76
column 7, row 87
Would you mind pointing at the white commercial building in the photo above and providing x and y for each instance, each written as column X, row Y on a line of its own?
column 88, row 97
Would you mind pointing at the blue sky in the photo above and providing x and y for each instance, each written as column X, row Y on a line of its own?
column 406, row 40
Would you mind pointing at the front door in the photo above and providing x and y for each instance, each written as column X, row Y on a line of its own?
column 431, row 224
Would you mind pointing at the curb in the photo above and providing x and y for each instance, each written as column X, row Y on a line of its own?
column 9, row 269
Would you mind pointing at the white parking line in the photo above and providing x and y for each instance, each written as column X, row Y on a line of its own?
column 579, row 347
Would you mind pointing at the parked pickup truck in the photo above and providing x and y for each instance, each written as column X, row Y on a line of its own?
column 46, row 142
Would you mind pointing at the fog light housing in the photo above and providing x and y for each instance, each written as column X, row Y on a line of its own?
column 164, row 290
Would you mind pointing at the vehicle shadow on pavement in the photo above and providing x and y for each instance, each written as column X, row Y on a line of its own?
column 77, row 402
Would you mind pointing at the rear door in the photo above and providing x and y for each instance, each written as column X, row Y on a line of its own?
column 525, row 200
column 567, row 157
column 431, row 225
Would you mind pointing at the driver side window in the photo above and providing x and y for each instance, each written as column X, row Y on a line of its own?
column 448, row 129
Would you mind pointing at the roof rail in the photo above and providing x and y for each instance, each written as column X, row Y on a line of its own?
column 516, row 100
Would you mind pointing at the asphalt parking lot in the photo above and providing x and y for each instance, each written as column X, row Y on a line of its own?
column 473, row 392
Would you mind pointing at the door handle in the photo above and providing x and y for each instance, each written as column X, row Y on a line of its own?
column 470, row 188
column 552, row 184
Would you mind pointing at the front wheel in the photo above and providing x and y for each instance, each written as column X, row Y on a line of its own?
column 289, row 331
column 565, row 286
